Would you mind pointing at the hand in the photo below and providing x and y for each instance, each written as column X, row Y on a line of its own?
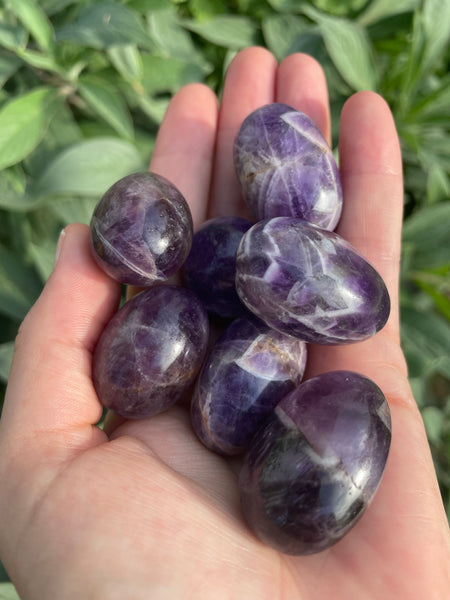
column 143, row 510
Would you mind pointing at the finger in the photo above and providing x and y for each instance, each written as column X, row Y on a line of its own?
column 301, row 83
column 184, row 149
column 408, row 502
column 50, row 388
column 249, row 84
column 184, row 146
column 371, row 172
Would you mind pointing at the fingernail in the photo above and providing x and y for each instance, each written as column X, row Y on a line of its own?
column 59, row 245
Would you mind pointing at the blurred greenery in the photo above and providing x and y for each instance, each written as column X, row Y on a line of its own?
column 83, row 88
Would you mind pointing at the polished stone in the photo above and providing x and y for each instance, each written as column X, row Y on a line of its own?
column 286, row 168
column 151, row 351
column 247, row 372
column 210, row 268
column 310, row 283
column 141, row 230
column 314, row 468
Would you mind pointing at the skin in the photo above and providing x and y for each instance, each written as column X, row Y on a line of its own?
column 142, row 509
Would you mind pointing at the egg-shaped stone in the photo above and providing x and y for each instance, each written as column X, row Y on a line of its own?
column 210, row 268
column 248, row 371
column 141, row 230
column 150, row 352
column 309, row 282
column 314, row 467
column 286, row 167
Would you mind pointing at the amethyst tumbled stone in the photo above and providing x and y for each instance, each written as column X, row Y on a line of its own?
column 310, row 283
column 247, row 372
column 314, row 467
column 210, row 268
column 286, row 168
column 141, row 230
column 150, row 351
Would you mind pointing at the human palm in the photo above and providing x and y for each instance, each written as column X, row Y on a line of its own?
column 142, row 510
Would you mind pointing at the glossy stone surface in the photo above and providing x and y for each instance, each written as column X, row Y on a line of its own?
column 309, row 283
column 141, row 230
column 313, row 469
column 150, row 351
column 248, row 371
column 286, row 168
column 210, row 268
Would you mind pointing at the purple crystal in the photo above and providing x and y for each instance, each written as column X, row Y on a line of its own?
column 314, row 467
column 249, row 369
column 141, row 229
column 151, row 351
column 309, row 283
column 286, row 168
column 210, row 269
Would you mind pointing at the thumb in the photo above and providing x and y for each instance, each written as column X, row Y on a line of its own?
column 50, row 388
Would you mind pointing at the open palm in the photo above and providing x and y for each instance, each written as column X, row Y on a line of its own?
column 142, row 510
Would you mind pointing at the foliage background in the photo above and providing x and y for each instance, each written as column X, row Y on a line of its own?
column 85, row 83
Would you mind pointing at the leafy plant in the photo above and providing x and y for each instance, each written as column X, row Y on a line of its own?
column 84, row 85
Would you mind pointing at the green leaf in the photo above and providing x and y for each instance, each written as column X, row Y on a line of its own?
column 349, row 49
column 35, row 20
column 436, row 283
column 43, row 255
column 281, row 33
column 104, row 100
column 229, row 31
column 12, row 36
column 202, row 10
column 380, row 9
column 63, row 131
column 286, row 5
column 6, row 354
column 52, row 7
column 434, row 423
column 425, row 338
column 19, row 285
column 8, row 66
column 74, row 210
column 8, row 592
column 127, row 60
column 103, row 25
column 426, row 235
column 168, row 74
column 88, row 168
column 154, row 108
column 23, row 122
column 12, row 191
column 434, row 103
column 170, row 37
column 438, row 185
column 436, row 20
column 38, row 60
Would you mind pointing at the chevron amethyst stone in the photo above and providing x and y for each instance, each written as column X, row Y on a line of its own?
column 310, row 283
column 210, row 268
column 286, row 168
column 150, row 351
column 314, row 467
column 248, row 371
column 141, row 230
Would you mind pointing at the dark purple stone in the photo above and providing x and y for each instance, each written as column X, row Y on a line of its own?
column 210, row 269
column 314, row 467
column 249, row 369
column 286, row 168
column 150, row 351
column 141, row 230
column 310, row 283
